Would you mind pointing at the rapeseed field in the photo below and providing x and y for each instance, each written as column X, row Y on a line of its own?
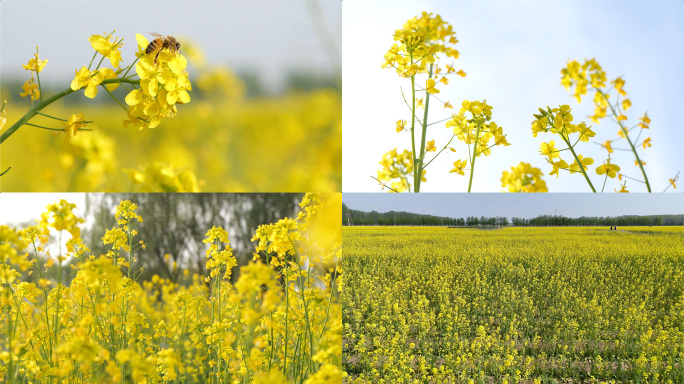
column 513, row 305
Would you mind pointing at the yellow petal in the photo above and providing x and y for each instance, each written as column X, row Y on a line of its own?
column 184, row 97
column 134, row 97
column 142, row 42
column 91, row 91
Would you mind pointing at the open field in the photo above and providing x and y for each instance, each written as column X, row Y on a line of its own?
column 530, row 305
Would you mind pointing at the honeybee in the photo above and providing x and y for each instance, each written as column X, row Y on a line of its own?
column 161, row 42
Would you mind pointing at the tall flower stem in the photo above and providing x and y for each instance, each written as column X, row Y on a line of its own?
column 419, row 168
column 472, row 160
column 579, row 162
column 413, row 126
column 626, row 135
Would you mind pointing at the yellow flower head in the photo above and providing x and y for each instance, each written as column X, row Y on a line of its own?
column 673, row 181
column 60, row 216
column 35, row 64
column 459, row 165
column 163, row 84
column 396, row 165
column 575, row 167
column 75, row 123
column 431, row 146
column 30, row 89
column 646, row 143
column 91, row 79
column 608, row 168
column 430, row 86
column 421, row 40
column 608, row 147
column 3, row 115
column 619, row 83
column 623, row 189
column 401, row 125
column 548, row 149
column 585, row 132
column 582, row 76
column 107, row 48
column 560, row 164
column 539, row 125
column 645, row 122
column 523, row 178
column 161, row 177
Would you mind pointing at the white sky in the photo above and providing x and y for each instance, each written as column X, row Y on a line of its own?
column 18, row 208
column 513, row 52
column 25, row 208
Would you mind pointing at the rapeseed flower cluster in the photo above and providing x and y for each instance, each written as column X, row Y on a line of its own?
column 159, row 177
column 523, row 178
column 420, row 43
column 421, row 40
column 559, row 121
column 163, row 84
column 269, row 322
column 579, row 79
column 514, row 305
column 155, row 93
column 398, row 166
column 31, row 87
column 478, row 131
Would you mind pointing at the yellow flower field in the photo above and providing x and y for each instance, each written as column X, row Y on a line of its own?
column 513, row 305
column 275, row 320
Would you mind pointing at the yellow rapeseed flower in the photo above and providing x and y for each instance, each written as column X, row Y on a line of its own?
column 35, row 64
column 459, row 165
column 608, row 168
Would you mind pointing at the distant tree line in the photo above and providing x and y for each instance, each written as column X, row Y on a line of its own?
column 632, row 220
column 400, row 218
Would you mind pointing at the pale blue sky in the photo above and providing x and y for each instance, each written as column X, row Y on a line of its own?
column 519, row 204
column 513, row 51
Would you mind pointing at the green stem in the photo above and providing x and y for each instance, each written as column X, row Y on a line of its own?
column 372, row 177
column 472, row 160
column 413, row 125
column 115, row 99
column 100, row 63
column 287, row 290
column 424, row 134
column 53, row 129
column 40, row 106
column 674, row 179
column 604, row 182
column 440, row 151
column 91, row 60
column 131, row 66
column 10, row 376
column 626, row 134
column 40, row 88
column 304, row 303
column 52, row 117
column 327, row 312
column 581, row 166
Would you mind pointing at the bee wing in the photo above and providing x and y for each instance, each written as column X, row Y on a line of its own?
column 155, row 34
